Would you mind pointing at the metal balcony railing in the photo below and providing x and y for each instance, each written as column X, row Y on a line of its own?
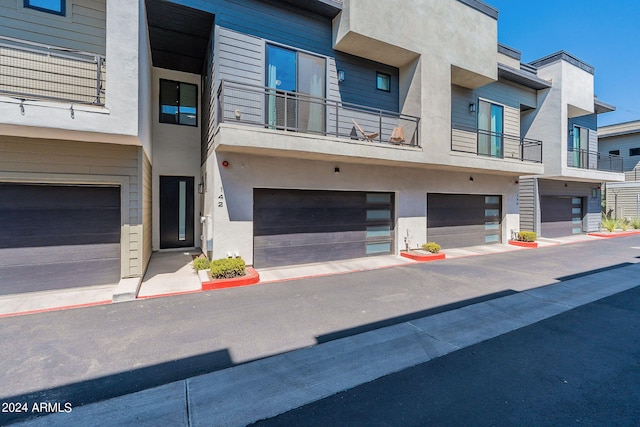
column 493, row 144
column 292, row 111
column 586, row 159
column 33, row 70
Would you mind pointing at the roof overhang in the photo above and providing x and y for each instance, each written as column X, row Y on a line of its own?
column 326, row 8
column 179, row 35
column 602, row 107
column 522, row 77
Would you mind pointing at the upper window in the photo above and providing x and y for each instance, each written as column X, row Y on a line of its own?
column 383, row 81
column 615, row 152
column 634, row 151
column 178, row 103
column 51, row 6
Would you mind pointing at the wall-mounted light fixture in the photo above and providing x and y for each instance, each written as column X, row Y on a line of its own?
column 594, row 193
column 340, row 76
column 471, row 178
column 73, row 113
column 238, row 114
column 225, row 164
column 201, row 188
column 336, row 170
column 472, row 108
column 22, row 107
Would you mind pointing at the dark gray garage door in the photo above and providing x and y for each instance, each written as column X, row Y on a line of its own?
column 57, row 236
column 305, row 226
column 459, row 220
column 561, row 216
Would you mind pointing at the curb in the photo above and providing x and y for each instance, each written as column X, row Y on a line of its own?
column 250, row 278
column 523, row 244
column 423, row 258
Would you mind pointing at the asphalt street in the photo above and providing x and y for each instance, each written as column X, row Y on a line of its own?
column 91, row 354
column 581, row 367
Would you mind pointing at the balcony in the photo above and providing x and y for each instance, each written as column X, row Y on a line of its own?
column 268, row 108
column 495, row 145
column 35, row 71
column 585, row 159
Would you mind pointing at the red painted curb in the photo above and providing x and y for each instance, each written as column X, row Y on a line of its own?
column 64, row 307
column 250, row 278
column 423, row 258
column 610, row 235
column 523, row 244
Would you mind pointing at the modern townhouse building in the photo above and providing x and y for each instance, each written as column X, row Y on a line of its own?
column 283, row 132
column 623, row 139
column 566, row 199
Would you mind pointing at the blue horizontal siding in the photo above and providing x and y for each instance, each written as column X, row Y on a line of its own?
column 589, row 121
column 303, row 30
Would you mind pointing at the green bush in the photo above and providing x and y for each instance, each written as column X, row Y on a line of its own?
column 624, row 224
column 201, row 263
column 527, row 236
column 432, row 247
column 636, row 223
column 609, row 224
column 227, row 268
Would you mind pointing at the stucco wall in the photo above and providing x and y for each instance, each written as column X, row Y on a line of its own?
column 232, row 223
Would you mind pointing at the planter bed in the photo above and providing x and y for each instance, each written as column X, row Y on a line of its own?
column 610, row 234
column 250, row 278
column 523, row 244
column 422, row 256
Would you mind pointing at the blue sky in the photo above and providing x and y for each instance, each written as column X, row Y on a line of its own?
column 604, row 34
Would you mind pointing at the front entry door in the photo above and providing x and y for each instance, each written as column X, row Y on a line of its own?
column 176, row 212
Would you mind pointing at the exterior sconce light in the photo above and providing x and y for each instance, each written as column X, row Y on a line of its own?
column 471, row 178
column 238, row 114
column 22, row 107
column 340, row 76
column 225, row 164
column 336, row 170
column 472, row 108
column 201, row 188
column 594, row 193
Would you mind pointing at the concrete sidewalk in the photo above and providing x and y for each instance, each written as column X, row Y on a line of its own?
column 246, row 393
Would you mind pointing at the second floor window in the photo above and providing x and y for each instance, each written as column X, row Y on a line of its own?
column 634, row 151
column 490, row 129
column 615, row 152
column 304, row 75
column 52, row 6
column 178, row 103
column 579, row 146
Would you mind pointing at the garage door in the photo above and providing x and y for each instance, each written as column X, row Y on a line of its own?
column 561, row 216
column 459, row 220
column 304, row 226
column 57, row 236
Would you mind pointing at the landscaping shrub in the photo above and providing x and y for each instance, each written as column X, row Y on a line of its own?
column 432, row 247
column 227, row 268
column 201, row 263
column 527, row 236
column 609, row 224
column 636, row 223
column 624, row 224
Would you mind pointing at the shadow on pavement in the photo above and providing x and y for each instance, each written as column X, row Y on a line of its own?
column 127, row 382
column 595, row 271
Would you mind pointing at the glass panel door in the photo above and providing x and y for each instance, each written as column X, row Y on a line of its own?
column 311, row 81
column 490, row 128
column 281, row 76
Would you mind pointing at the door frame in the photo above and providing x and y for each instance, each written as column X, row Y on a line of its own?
column 189, row 212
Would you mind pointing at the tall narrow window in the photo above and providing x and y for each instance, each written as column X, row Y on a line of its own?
column 57, row 7
column 490, row 128
column 178, row 103
column 182, row 210
column 383, row 81
column 579, row 148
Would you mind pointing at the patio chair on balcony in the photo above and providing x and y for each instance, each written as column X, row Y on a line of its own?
column 368, row 136
column 397, row 136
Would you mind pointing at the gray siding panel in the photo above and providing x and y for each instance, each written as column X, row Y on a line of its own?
column 82, row 29
column 625, row 205
column 527, row 200
column 305, row 31
column 623, row 143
